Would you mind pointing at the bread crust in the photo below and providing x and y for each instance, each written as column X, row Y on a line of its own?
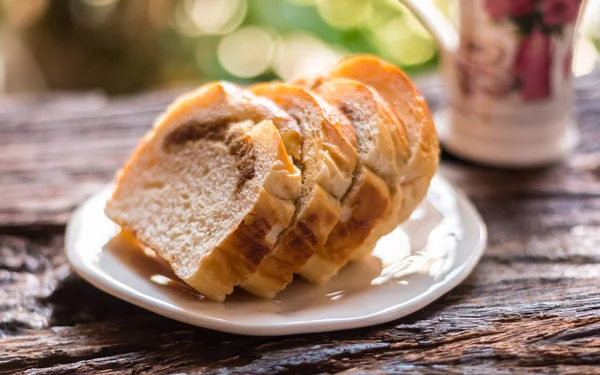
column 385, row 154
column 239, row 253
column 226, row 100
column 307, row 233
column 411, row 110
column 325, row 140
column 389, row 153
column 336, row 138
column 362, row 208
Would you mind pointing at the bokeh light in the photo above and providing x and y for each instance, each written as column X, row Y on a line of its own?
column 99, row 3
column 93, row 13
column 404, row 45
column 381, row 11
column 304, row 2
column 216, row 17
column 343, row 14
column 303, row 54
column 247, row 52
column 212, row 17
column 182, row 22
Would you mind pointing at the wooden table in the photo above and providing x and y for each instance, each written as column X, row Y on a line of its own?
column 531, row 306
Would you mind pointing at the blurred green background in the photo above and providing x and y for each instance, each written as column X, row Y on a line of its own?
column 124, row 46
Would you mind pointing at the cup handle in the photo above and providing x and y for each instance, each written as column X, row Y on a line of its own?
column 435, row 22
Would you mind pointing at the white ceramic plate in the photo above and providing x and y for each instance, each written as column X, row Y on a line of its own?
column 411, row 267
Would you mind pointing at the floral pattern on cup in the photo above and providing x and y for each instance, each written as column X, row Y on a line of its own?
column 537, row 22
column 484, row 68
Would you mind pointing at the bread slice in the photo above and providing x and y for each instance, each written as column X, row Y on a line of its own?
column 383, row 145
column 210, row 187
column 328, row 161
column 411, row 109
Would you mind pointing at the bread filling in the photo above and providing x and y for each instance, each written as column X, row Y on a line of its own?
column 220, row 130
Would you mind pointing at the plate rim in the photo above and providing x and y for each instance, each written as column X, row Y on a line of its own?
column 122, row 291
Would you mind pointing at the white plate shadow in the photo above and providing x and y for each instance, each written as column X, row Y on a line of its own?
column 411, row 267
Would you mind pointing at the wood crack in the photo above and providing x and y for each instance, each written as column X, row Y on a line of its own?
column 537, row 259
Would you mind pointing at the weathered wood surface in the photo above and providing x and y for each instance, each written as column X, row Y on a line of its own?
column 531, row 306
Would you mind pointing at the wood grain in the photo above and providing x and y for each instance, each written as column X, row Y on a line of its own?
column 532, row 305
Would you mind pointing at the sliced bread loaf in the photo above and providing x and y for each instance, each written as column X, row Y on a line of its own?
column 211, row 186
column 328, row 161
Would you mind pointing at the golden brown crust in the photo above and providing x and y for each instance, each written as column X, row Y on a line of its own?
column 337, row 139
column 411, row 109
column 239, row 255
column 363, row 206
column 388, row 152
column 224, row 101
column 384, row 154
column 406, row 102
column 309, row 230
column 325, row 148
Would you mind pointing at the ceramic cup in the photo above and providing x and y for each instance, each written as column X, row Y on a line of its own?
column 507, row 74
